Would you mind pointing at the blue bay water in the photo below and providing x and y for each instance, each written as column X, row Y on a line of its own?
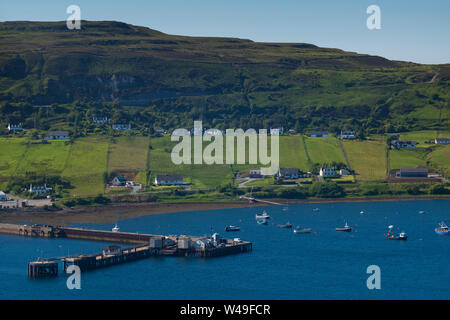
column 322, row 265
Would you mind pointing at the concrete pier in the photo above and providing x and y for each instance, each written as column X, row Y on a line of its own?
column 145, row 246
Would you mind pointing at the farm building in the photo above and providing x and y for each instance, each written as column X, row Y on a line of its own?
column 412, row 173
column 328, row 172
column 168, row 179
column 399, row 144
column 102, row 120
column 255, row 173
column 319, row 134
column 39, row 189
column 441, row 141
column 288, row 173
column 348, row 135
column 14, row 127
column 119, row 126
column 119, row 181
column 57, row 135
column 2, row 196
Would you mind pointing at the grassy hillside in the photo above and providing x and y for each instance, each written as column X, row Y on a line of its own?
column 141, row 76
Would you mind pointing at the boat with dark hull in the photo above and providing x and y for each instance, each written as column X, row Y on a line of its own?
column 346, row 228
column 302, row 230
column 231, row 228
column 285, row 226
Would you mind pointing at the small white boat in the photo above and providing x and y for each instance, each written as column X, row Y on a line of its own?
column 421, row 212
column 362, row 212
column 263, row 215
column 302, row 230
column 316, row 209
column 391, row 236
column 116, row 228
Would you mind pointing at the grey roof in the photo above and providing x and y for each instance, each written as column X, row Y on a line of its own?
column 288, row 171
column 58, row 133
column 169, row 177
column 319, row 132
column 414, row 170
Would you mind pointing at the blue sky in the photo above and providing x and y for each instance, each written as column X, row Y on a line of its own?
column 411, row 30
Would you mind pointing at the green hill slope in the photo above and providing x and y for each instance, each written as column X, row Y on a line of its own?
column 141, row 76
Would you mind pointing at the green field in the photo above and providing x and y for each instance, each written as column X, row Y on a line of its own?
column 367, row 158
column 292, row 153
column 86, row 166
column 12, row 152
column 200, row 176
column 44, row 159
column 440, row 157
column 324, row 150
column 128, row 153
column 406, row 158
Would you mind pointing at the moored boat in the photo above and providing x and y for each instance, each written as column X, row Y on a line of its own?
column 346, row 228
column 285, row 226
column 263, row 215
column 442, row 230
column 302, row 230
column 116, row 228
column 391, row 236
column 231, row 228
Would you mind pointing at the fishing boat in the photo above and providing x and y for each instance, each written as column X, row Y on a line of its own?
column 346, row 228
column 231, row 228
column 442, row 230
column 263, row 215
column 116, row 228
column 261, row 221
column 302, row 230
column 391, row 236
column 285, row 226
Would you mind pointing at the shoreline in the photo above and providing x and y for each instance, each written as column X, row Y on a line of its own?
column 114, row 212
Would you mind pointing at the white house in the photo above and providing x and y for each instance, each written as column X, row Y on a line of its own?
column 100, row 120
column 57, row 135
column 119, row 126
column 328, row 172
column 2, row 196
column 348, row 135
column 39, row 189
column 288, row 173
column 168, row 179
column 441, row 141
column 15, row 127
column 319, row 134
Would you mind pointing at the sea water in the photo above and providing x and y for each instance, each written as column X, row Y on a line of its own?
column 324, row 264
